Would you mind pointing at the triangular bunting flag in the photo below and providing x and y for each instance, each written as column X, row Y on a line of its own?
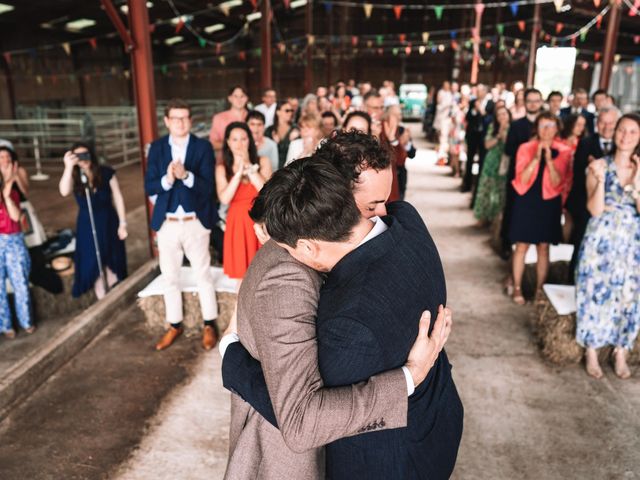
column 202, row 42
column 286, row 3
column 39, row 79
column 454, row 45
column 397, row 11
column 311, row 39
column 67, row 48
column 479, row 7
column 597, row 56
column 179, row 26
column 599, row 21
column 164, row 69
column 514, row 8
column 354, row 41
column 407, row 50
column 402, row 37
column 438, row 9
column 254, row 3
column 573, row 41
column 522, row 25
column 367, row 9
column 558, row 5
column 218, row 48
column 500, row 29
column 422, row 49
column 453, row 34
column 517, row 42
column 222, row 60
column 93, row 42
column 126, row 74
column 596, row 3
column 7, row 57
column 379, row 39
column 425, row 37
column 559, row 27
column 242, row 56
column 184, row 66
column 583, row 34
column 636, row 39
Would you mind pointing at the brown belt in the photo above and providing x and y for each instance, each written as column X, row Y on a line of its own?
column 181, row 219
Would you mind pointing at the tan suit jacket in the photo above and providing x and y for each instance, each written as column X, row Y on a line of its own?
column 277, row 307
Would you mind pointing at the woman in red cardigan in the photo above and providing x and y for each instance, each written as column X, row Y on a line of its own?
column 543, row 168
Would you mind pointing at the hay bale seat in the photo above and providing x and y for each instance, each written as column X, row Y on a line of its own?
column 151, row 301
column 559, row 259
column 556, row 335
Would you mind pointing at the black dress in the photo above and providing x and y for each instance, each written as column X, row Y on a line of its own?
column 533, row 219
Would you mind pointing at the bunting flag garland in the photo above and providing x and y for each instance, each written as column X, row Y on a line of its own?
column 514, row 8
column 242, row 56
column 180, row 25
column 379, row 39
column 354, row 41
column 522, row 25
column 597, row 56
column 93, row 42
column 599, row 21
column 425, row 37
column 559, row 27
column 367, row 9
column 583, row 34
column 402, row 37
column 500, row 29
column 438, row 9
column 479, row 7
column 397, row 11
column 202, row 42
column 222, row 60
column 67, row 48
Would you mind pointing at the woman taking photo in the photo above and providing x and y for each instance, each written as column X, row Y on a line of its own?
column 238, row 181
column 608, row 271
column 15, row 263
column 283, row 131
column 543, row 167
column 492, row 184
column 110, row 222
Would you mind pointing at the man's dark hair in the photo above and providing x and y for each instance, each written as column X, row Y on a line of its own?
column 600, row 91
column 330, row 115
column 373, row 93
column 255, row 115
column 579, row 90
column 555, row 93
column 352, row 152
column 308, row 199
column 177, row 103
column 267, row 90
column 361, row 114
column 529, row 91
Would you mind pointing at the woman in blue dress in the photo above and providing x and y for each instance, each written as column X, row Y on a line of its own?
column 110, row 219
column 608, row 271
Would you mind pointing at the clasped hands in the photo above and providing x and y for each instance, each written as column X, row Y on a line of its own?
column 176, row 171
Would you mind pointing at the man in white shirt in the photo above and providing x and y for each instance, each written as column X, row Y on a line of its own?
column 268, row 106
column 180, row 178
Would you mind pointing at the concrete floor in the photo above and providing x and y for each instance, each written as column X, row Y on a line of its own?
column 121, row 410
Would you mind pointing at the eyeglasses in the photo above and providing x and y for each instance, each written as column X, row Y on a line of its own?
column 288, row 110
column 179, row 119
column 548, row 125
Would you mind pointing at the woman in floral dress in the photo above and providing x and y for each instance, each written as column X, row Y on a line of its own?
column 493, row 183
column 608, row 272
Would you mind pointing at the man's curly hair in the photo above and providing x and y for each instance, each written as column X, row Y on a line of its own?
column 352, row 152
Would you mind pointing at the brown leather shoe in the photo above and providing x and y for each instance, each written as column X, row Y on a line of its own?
column 209, row 337
column 169, row 337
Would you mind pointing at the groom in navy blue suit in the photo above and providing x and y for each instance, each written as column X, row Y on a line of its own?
column 180, row 182
column 382, row 275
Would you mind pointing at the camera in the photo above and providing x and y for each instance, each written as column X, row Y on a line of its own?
column 83, row 156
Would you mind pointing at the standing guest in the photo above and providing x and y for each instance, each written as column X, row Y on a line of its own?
column 589, row 148
column 21, row 179
column 268, row 105
column 608, row 273
column 492, row 183
column 479, row 109
column 457, row 136
column 15, row 263
column 518, row 110
column 283, row 131
column 266, row 147
column 554, row 102
column 110, row 222
column 329, row 123
column 600, row 99
column 321, row 92
column 543, row 167
column 399, row 138
column 573, row 130
column 237, row 112
column 359, row 121
column 310, row 137
column 180, row 178
column 579, row 104
column 374, row 106
column 309, row 105
column 519, row 133
column 325, row 105
column 238, row 180
column 342, row 101
column 295, row 104
column 442, row 122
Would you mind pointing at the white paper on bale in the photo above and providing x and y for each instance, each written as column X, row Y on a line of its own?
column 562, row 297
column 557, row 253
column 188, row 283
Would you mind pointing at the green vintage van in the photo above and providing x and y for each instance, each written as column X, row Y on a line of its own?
column 413, row 100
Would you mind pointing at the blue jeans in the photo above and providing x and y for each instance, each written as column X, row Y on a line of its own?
column 15, row 264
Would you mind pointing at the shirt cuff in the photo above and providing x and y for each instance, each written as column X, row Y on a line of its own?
column 227, row 340
column 189, row 180
column 407, row 375
column 165, row 183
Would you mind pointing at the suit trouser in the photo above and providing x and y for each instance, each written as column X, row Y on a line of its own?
column 189, row 238
column 474, row 145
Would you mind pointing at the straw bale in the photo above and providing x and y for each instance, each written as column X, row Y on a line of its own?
column 495, row 240
column 556, row 335
column 154, row 311
column 558, row 274
column 47, row 304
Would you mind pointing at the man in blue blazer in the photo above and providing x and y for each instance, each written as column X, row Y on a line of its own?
column 180, row 182
column 382, row 273
column 578, row 106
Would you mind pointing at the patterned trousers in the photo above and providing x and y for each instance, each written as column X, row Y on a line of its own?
column 15, row 264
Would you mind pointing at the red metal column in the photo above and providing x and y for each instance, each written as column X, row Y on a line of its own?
column 144, row 89
column 533, row 48
column 265, row 44
column 308, row 69
column 476, row 47
column 610, row 44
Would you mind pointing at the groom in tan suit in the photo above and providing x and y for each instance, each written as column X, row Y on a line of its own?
column 276, row 323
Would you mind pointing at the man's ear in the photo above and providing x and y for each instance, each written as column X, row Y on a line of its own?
column 308, row 248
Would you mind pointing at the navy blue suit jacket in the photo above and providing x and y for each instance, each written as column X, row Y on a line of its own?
column 367, row 322
column 590, row 117
column 200, row 161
